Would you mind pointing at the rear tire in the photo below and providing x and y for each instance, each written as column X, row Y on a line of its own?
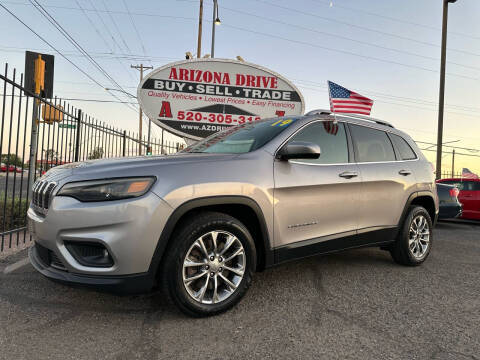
column 218, row 251
column 414, row 240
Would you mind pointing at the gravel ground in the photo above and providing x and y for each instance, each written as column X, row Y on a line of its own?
column 352, row 305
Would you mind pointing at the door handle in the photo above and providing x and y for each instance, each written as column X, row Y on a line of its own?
column 348, row 174
column 405, row 172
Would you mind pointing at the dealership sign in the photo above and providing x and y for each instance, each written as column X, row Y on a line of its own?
column 196, row 98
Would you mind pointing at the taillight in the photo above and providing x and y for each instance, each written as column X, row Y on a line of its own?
column 454, row 192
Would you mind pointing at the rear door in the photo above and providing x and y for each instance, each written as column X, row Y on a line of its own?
column 469, row 198
column 317, row 199
column 476, row 189
column 388, row 179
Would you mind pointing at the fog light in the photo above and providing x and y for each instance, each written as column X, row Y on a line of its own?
column 90, row 254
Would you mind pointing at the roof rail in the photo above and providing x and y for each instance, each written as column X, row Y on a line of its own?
column 353, row 116
column 368, row 118
column 319, row 112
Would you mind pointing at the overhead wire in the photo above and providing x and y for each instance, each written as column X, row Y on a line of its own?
column 65, row 33
column 116, row 26
column 365, row 28
column 391, row 18
column 346, row 38
column 134, row 26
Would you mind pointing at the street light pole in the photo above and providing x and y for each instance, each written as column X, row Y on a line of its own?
column 215, row 21
column 441, row 101
column 200, row 19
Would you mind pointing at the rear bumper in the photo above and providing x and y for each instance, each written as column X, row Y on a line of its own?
column 450, row 211
column 123, row 284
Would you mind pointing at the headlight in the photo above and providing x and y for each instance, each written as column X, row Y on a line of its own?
column 107, row 190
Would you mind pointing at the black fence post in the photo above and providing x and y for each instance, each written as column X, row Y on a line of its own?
column 77, row 140
column 124, row 142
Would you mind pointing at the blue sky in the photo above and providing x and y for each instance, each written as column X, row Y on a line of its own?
column 387, row 50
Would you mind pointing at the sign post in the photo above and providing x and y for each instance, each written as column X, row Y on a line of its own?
column 199, row 97
column 39, row 81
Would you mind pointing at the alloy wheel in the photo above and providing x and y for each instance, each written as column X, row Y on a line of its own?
column 419, row 236
column 213, row 267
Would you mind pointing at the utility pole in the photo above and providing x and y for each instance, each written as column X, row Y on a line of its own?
column 200, row 19
column 453, row 163
column 141, row 68
column 441, row 101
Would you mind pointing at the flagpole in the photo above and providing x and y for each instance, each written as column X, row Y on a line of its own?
column 330, row 100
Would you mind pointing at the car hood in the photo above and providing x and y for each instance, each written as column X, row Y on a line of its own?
column 131, row 166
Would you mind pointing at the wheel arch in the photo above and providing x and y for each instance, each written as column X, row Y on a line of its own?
column 243, row 208
column 421, row 198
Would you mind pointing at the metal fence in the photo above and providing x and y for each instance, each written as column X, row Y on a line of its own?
column 77, row 137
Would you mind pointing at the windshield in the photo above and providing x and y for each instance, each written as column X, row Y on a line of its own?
column 242, row 138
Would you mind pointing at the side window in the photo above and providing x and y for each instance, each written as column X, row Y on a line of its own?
column 469, row 185
column 331, row 138
column 476, row 186
column 372, row 145
column 406, row 152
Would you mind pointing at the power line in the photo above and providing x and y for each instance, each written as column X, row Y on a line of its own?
column 103, row 55
column 65, row 33
column 361, row 27
column 450, row 146
column 53, row 47
column 114, row 41
column 285, row 8
column 92, row 24
column 399, row 98
column 134, row 26
column 347, row 38
column 45, row 41
column 357, row 10
column 456, row 153
column 59, row 99
column 346, row 52
column 116, row 26
column 319, row 46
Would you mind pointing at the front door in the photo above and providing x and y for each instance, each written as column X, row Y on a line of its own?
column 316, row 200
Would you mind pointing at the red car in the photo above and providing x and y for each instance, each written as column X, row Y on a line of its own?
column 469, row 196
column 11, row 168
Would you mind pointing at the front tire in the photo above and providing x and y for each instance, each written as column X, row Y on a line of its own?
column 208, row 266
column 414, row 240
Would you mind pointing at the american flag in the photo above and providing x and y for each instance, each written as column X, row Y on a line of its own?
column 345, row 101
column 467, row 174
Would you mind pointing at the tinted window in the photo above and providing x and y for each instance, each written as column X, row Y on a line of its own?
column 331, row 138
column 242, row 138
column 406, row 152
column 469, row 186
column 372, row 145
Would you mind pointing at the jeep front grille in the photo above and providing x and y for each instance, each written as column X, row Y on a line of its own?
column 42, row 194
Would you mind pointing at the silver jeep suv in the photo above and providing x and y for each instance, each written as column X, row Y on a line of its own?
column 201, row 222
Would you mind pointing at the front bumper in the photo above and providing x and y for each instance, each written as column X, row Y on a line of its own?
column 128, row 229
column 131, row 284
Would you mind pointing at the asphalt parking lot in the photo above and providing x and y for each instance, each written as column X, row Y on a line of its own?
column 351, row 305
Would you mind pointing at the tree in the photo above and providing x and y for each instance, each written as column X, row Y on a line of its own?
column 12, row 159
column 51, row 155
column 96, row 153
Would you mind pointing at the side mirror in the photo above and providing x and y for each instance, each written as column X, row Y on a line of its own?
column 299, row 150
